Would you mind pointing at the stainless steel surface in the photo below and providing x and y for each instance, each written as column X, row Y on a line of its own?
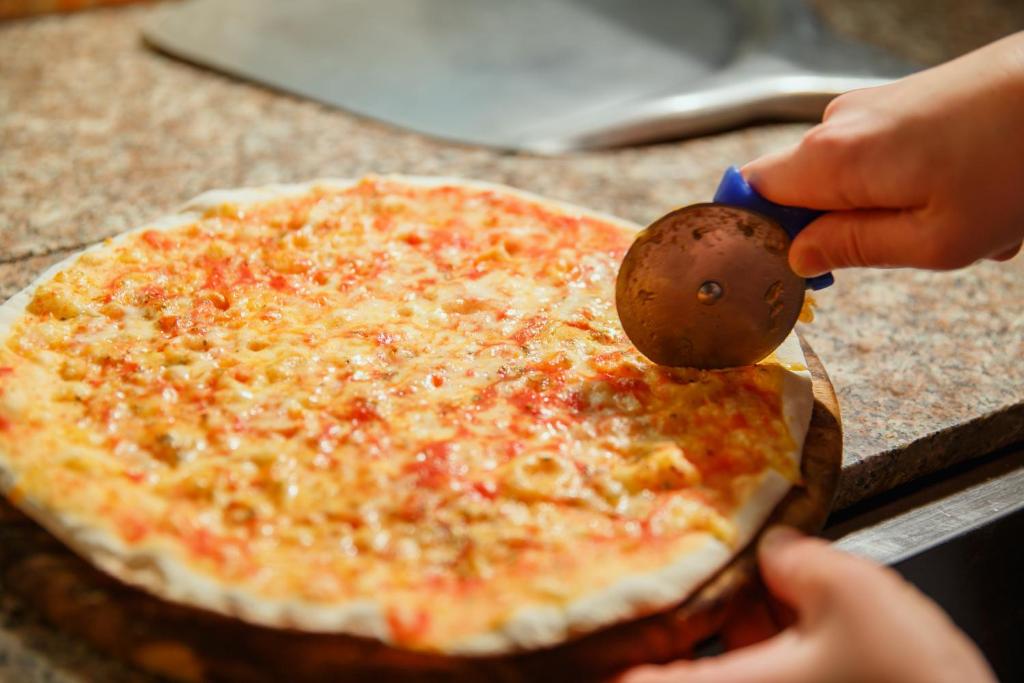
column 956, row 537
column 708, row 286
column 914, row 522
column 540, row 75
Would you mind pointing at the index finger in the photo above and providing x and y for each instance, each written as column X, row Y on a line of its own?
column 806, row 174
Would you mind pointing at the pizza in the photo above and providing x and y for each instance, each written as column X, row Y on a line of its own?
column 397, row 408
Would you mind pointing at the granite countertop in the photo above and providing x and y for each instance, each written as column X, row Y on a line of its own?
column 98, row 134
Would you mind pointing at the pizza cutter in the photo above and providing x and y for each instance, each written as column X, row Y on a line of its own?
column 709, row 285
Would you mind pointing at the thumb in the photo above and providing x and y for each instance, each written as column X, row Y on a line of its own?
column 807, row 573
column 866, row 238
column 781, row 659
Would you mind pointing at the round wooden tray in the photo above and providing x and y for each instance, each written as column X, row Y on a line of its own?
column 188, row 644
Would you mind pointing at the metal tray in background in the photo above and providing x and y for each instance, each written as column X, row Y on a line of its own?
column 540, row 75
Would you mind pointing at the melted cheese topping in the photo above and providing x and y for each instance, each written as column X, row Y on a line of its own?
column 416, row 395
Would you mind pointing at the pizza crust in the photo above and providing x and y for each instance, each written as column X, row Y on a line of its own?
column 155, row 567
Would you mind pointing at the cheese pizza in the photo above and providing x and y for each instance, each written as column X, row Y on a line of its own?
column 398, row 408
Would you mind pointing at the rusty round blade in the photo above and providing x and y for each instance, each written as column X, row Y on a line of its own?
column 708, row 286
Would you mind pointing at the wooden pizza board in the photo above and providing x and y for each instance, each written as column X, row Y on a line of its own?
column 188, row 644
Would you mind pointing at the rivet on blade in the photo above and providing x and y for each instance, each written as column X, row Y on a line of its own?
column 709, row 292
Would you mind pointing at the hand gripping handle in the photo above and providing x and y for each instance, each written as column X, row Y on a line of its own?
column 734, row 190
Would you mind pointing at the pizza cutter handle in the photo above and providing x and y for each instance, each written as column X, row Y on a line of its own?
column 736, row 191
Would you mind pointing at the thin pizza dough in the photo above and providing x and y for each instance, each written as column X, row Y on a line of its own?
column 399, row 408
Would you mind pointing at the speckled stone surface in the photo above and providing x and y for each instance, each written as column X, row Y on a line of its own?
column 98, row 134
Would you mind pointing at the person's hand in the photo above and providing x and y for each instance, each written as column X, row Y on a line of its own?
column 926, row 172
column 856, row 622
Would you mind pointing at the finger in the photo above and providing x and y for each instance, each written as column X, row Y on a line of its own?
column 1008, row 254
column 793, row 177
column 809, row 575
column 870, row 238
column 782, row 659
column 788, row 566
column 814, row 173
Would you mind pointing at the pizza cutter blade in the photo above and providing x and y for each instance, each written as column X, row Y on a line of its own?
column 709, row 285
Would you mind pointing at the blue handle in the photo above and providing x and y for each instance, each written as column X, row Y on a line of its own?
column 736, row 191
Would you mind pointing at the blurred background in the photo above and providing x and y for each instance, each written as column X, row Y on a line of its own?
column 551, row 76
column 925, row 31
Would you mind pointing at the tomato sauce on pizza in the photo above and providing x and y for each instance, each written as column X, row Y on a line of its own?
column 409, row 398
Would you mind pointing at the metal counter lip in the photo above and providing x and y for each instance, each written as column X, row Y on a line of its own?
column 928, row 516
